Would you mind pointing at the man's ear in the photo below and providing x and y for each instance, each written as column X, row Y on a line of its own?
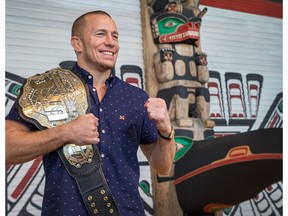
column 76, row 43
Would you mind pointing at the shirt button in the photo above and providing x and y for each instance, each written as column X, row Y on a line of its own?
column 94, row 89
column 102, row 155
column 100, row 109
column 89, row 77
column 103, row 131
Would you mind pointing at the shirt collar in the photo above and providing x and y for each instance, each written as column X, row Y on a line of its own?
column 88, row 77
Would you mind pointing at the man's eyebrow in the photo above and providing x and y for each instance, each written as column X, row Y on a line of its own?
column 115, row 33
column 104, row 30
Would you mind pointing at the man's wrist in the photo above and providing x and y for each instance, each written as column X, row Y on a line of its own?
column 170, row 136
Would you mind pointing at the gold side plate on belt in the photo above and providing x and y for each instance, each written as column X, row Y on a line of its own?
column 54, row 98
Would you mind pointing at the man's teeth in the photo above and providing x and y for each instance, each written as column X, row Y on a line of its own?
column 107, row 53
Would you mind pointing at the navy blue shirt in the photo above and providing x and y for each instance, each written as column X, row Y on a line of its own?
column 123, row 125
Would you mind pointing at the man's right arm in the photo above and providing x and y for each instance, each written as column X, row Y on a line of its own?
column 23, row 145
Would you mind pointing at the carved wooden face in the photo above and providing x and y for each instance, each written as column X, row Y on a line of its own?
column 166, row 54
column 170, row 27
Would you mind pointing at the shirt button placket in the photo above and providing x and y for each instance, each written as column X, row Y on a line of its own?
column 102, row 131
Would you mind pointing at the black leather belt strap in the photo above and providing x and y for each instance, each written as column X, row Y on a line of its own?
column 92, row 185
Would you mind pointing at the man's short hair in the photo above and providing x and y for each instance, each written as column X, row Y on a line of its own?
column 80, row 22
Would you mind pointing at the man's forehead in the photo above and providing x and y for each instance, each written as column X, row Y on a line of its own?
column 101, row 20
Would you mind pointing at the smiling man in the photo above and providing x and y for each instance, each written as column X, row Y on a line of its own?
column 88, row 125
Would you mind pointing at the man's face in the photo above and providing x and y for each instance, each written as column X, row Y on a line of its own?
column 100, row 43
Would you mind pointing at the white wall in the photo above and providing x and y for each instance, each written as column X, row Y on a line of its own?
column 244, row 43
column 38, row 32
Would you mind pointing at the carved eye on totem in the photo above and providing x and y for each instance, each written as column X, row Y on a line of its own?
column 201, row 58
column 167, row 54
column 170, row 24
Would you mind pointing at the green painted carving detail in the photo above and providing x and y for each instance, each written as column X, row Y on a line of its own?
column 184, row 144
column 169, row 25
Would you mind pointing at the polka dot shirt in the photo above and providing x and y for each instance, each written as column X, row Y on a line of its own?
column 123, row 125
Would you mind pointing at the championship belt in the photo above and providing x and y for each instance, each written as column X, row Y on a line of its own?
column 54, row 98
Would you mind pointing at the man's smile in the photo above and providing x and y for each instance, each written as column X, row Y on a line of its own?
column 110, row 53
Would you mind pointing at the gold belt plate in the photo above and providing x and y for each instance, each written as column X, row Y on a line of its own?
column 54, row 98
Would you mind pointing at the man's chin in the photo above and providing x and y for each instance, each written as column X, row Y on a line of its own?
column 105, row 67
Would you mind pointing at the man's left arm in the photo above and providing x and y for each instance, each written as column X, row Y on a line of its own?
column 160, row 155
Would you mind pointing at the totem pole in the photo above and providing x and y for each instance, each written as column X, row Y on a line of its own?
column 179, row 64
column 176, row 70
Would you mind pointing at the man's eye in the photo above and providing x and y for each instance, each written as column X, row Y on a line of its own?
column 99, row 33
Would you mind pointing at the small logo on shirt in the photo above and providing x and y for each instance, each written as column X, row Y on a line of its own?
column 122, row 117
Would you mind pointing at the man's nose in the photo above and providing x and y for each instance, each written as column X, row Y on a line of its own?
column 110, row 40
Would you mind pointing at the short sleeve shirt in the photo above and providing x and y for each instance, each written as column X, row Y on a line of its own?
column 123, row 125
